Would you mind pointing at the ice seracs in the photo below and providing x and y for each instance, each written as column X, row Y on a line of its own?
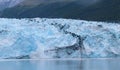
column 58, row 38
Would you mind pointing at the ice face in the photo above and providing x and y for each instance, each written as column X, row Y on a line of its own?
column 58, row 38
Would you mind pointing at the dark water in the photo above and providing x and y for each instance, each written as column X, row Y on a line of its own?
column 87, row 64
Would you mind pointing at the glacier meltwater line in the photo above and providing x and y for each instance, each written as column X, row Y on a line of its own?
column 58, row 38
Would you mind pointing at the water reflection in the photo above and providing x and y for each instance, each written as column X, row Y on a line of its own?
column 89, row 64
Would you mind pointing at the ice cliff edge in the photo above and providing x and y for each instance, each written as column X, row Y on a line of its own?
column 58, row 38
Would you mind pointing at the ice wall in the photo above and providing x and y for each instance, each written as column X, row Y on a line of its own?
column 58, row 38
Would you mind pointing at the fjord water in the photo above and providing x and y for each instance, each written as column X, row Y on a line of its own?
column 84, row 64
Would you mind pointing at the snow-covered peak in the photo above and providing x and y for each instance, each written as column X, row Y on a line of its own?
column 9, row 3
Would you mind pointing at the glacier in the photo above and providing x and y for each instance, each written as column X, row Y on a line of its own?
column 58, row 38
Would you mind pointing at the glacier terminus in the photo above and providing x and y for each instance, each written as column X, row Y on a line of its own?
column 58, row 38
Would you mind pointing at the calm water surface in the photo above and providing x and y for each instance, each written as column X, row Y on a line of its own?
column 87, row 64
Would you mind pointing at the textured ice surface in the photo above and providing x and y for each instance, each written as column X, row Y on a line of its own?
column 58, row 38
